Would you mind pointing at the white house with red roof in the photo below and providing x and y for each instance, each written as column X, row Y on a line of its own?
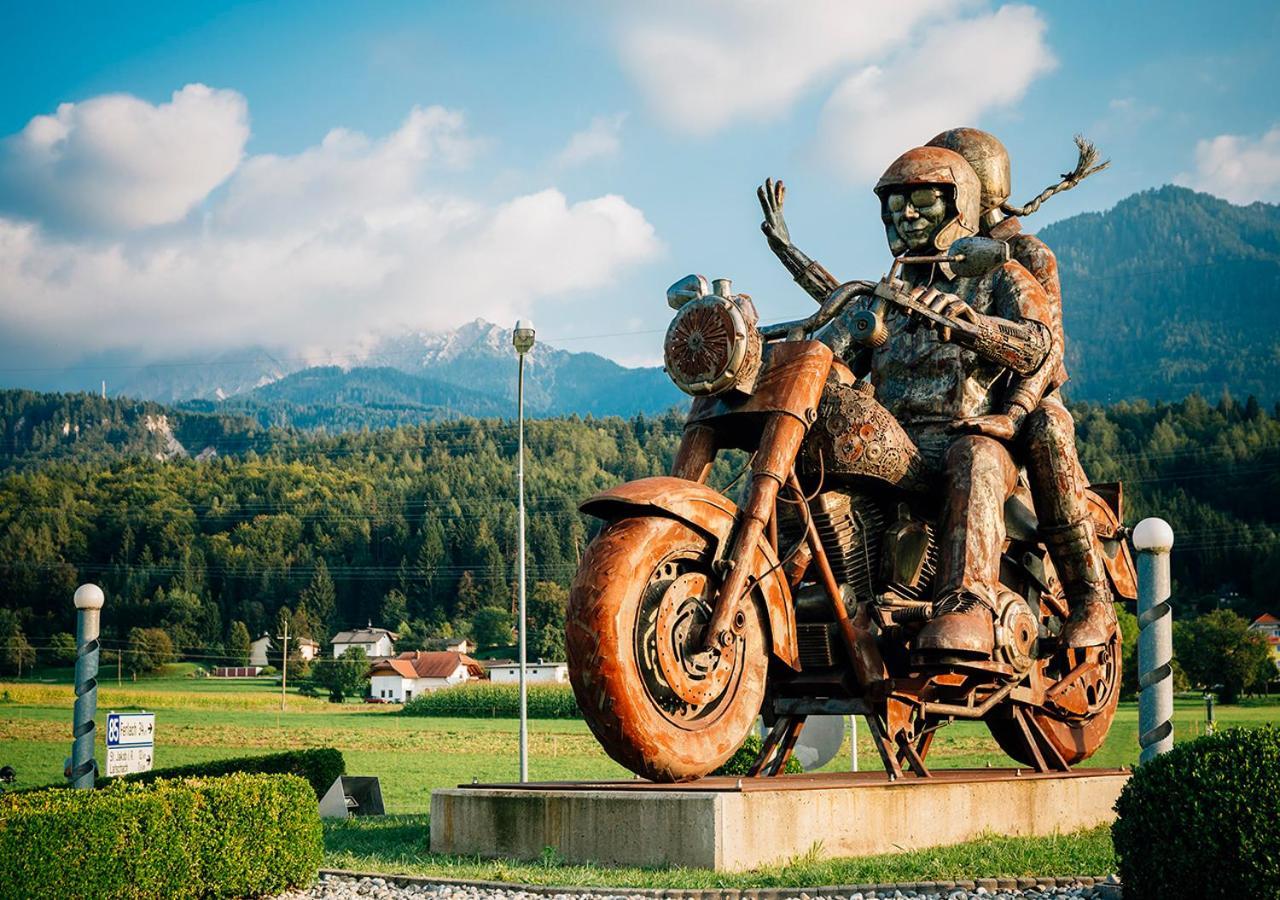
column 406, row 676
column 1269, row 627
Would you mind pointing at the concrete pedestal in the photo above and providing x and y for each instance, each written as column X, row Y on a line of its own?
column 732, row 824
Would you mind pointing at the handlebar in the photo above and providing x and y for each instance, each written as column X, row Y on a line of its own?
column 836, row 301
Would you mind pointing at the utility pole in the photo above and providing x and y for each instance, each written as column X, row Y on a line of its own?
column 284, row 664
column 522, row 339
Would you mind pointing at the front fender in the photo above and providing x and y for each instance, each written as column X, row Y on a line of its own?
column 714, row 515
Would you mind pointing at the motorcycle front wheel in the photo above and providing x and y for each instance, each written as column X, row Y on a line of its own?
column 634, row 629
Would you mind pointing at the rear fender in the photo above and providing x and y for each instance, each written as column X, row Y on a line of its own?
column 714, row 515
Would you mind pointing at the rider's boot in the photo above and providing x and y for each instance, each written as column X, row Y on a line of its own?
column 962, row 624
column 1076, row 556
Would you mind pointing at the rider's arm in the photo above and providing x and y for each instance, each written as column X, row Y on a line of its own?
column 1032, row 307
column 810, row 274
column 1014, row 336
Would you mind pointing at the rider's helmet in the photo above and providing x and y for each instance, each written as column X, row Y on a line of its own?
column 988, row 157
column 938, row 167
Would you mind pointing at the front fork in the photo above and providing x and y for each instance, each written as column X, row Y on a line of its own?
column 771, row 468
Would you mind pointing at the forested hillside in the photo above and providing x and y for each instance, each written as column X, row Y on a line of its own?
column 419, row 523
column 40, row 428
column 1171, row 292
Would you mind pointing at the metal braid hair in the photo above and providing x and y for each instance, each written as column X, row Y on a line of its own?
column 1087, row 164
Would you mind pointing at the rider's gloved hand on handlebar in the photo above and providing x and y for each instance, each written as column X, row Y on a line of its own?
column 948, row 305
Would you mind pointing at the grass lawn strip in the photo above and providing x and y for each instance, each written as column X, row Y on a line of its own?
column 398, row 845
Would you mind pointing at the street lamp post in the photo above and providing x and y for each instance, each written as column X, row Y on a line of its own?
column 522, row 338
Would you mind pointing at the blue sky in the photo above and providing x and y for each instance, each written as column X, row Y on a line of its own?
column 309, row 176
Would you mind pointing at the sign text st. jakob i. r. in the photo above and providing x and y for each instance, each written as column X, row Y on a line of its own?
column 130, row 742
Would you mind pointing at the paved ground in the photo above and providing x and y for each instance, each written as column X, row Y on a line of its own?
column 334, row 887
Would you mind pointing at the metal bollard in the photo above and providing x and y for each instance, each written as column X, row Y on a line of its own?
column 1153, row 539
column 88, row 601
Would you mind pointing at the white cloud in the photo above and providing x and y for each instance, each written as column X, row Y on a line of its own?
column 352, row 237
column 1237, row 168
column 117, row 162
column 599, row 140
column 936, row 83
column 703, row 65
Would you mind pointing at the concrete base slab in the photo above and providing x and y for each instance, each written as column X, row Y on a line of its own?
column 732, row 824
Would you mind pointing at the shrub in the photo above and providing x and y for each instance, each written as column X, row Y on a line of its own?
column 318, row 767
column 1200, row 820
column 744, row 756
column 234, row 836
column 486, row 700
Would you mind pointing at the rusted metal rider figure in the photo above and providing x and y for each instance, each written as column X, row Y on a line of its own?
column 1043, row 433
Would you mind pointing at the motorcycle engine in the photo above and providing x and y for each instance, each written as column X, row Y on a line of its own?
column 871, row 550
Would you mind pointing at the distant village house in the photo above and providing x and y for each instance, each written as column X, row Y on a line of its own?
column 308, row 649
column 418, row 671
column 377, row 643
column 535, row 672
column 455, row 645
column 259, row 649
column 1269, row 627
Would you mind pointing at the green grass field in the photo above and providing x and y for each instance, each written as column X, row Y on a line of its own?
column 203, row 719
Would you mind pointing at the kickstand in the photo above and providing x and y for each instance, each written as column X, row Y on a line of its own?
column 777, row 748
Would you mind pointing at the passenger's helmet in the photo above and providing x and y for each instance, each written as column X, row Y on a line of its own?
column 933, row 166
column 988, row 157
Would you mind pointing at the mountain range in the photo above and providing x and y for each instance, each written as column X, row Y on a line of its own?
column 1169, row 292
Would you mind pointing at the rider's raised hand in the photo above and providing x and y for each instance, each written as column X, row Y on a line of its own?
column 772, row 194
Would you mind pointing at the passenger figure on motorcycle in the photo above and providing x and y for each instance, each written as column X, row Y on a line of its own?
column 942, row 392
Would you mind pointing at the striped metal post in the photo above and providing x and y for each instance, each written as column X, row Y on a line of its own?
column 1153, row 539
column 88, row 600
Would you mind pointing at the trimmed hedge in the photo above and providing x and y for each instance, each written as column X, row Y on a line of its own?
column 319, row 767
column 486, row 700
column 1203, row 820
column 235, row 836
column 744, row 756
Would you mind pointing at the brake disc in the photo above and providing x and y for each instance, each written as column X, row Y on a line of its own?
column 694, row 675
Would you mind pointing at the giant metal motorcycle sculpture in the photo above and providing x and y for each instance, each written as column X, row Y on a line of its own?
column 885, row 558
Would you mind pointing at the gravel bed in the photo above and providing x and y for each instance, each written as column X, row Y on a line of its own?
column 333, row 886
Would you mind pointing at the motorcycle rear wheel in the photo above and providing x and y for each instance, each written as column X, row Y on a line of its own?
column 639, row 573
column 1076, row 738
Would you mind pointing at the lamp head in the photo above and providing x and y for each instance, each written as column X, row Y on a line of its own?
column 88, row 596
column 522, row 337
column 1153, row 534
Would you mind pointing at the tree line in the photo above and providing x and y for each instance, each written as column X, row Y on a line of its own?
column 414, row 528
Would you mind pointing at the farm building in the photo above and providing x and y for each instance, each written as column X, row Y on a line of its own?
column 418, row 671
column 377, row 643
column 535, row 672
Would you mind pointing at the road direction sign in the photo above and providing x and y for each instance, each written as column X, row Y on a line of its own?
column 131, row 729
column 124, row 760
